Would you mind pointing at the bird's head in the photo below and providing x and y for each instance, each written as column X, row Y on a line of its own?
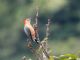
column 27, row 21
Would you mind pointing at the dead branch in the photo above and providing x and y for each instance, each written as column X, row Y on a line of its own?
column 42, row 52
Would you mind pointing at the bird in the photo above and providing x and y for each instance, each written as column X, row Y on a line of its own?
column 29, row 30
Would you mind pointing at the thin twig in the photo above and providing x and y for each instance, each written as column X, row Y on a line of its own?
column 47, row 28
column 36, row 24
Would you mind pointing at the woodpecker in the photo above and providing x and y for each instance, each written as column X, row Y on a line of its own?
column 29, row 30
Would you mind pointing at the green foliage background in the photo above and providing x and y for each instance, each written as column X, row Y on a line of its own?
column 64, row 31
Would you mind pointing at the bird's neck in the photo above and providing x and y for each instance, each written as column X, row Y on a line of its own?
column 26, row 24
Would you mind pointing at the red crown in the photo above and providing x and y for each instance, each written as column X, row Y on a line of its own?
column 24, row 21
